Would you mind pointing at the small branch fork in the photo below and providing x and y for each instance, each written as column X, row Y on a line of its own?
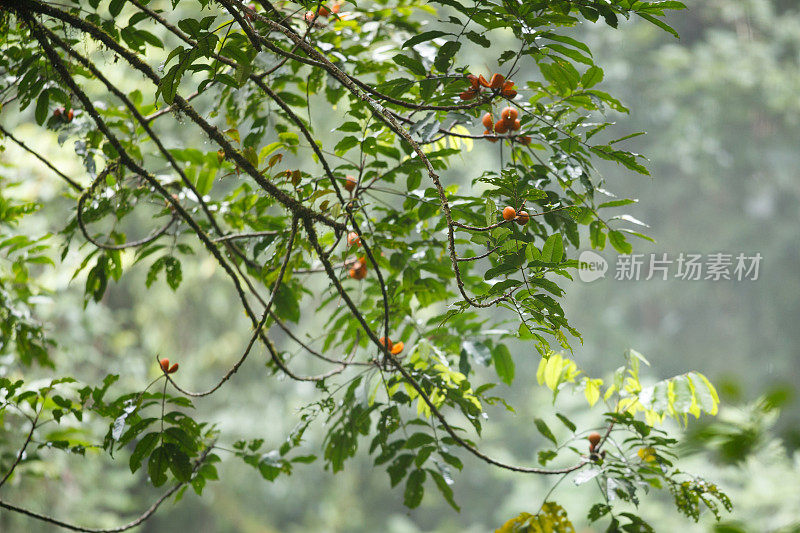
column 31, row 12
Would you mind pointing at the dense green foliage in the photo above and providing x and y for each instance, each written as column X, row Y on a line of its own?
column 435, row 268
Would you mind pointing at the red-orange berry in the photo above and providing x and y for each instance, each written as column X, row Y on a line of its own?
column 497, row 81
column 509, row 213
column 387, row 342
column 350, row 183
column 509, row 114
column 488, row 121
column 164, row 363
column 522, row 218
column 353, row 239
column 501, row 127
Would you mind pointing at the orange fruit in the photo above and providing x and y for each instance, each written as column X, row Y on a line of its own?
column 488, row 121
column 397, row 348
column 500, row 127
column 509, row 114
column 490, row 139
column 164, row 363
column 353, row 239
column 522, row 218
column 387, row 342
column 350, row 183
column 509, row 213
column 497, row 81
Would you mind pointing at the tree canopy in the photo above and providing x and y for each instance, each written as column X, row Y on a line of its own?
column 419, row 283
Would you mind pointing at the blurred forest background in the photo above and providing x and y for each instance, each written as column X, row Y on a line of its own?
column 721, row 107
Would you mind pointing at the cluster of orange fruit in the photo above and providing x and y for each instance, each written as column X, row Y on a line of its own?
column 508, row 122
column 521, row 218
column 64, row 114
column 359, row 270
column 394, row 348
column 164, row 363
column 497, row 82
column 323, row 12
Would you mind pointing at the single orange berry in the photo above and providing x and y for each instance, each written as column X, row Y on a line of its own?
column 350, row 183
column 501, row 127
column 173, row 369
column 353, row 239
column 522, row 218
column 594, row 439
column 509, row 114
column 397, row 348
column 70, row 114
column 490, row 139
column 509, row 213
column 164, row 363
column 488, row 121
column 516, row 126
column 387, row 342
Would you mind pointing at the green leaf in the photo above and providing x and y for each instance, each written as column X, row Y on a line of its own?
column 619, row 243
column 553, row 249
column 410, row 63
column 591, row 77
column 143, row 448
column 444, row 488
column 445, row 55
column 503, row 363
column 414, row 489
column 424, row 36
column 345, row 144
column 157, row 466
column 545, row 430
column 418, row 439
column 566, row 421
column 42, row 107
column 660, row 23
